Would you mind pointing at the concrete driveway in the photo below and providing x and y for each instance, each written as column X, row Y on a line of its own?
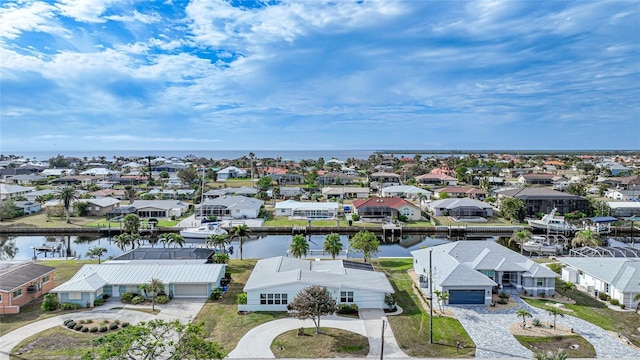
column 182, row 309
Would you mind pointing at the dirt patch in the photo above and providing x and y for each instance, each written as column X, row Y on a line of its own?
column 497, row 306
column 545, row 330
column 557, row 298
column 57, row 341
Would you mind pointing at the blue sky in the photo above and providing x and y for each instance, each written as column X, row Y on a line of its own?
column 305, row 75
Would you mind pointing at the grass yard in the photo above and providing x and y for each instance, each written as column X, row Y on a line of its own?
column 552, row 343
column 221, row 319
column 31, row 312
column 55, row 343
column 494, row 221
column 330, row 343
column 284, row 221
column 595, row 312
column 40, row 220
column 411, row 328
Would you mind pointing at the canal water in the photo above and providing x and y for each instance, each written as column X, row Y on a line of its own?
column 258, row 247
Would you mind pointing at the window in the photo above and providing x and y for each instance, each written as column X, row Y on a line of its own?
column 346, row 296
column 270, row 299
column 17, row 293
column 273, row 299
column 75, row 296
column 539, row 282
column 46, row 279
column 263, row 299
column 0, row 297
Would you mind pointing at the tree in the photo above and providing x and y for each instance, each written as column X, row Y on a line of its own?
column 67, row 195
column 586, row 237
column 218, row 241
column 154, row 340
column 442, row 297
column 365, row 242
column 568, row 286
column 512, row 208
column 96, row 252
column 50, row 302
column 637, row 298
column 265, row 183
column 8, row 249
column 172, row 239
column 520, row 237
column 299, row 246
column 123, row 240
column 131, row 223
column 422, row 197
column 8, row 209
column 554, row 311
column 130, row 192
column 188, row 175
column 524, row 314
column 312, row 303
column 154, row 286
column 332, row 245
column 240, row 232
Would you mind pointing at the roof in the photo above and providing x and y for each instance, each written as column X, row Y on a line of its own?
column 14, row 189
column 143, row 253
column 235, row 202
column 137, row 272
column 537, row 192
column 281, row 271
column 453, row 203
column 622, row 273
column 460, row 189
column 299, row 205
column 159, row 204
column 408, row 189
column 392, row 202
column 601, row 219
column 16, row 275
column 103, row 202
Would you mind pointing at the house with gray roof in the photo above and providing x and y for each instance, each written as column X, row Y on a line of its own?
column 275, row 282
column 21, row 282
column 181, row 278
column 307, row 210
column 616, row 277
column 231, row 172
column 13, row 191
column 544, row 200
column 469, row 270
column 460, row 208
column 405, row 191
column 231, row 207
column 25, row 179
column 159, row 208
column 101, row 206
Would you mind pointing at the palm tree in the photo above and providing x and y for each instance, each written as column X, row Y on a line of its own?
column 240, row 231
column 332, row 245
column 520, row 237
column 568, row 286
column 637, row 298
column 131, row 223
column 172, row 239
column 154, row 286
column 67, row 195
column 299, row 246
column 96, row 251
column 218, row 241
column 422, row 197
column 553, row 311
column 524, row 314
column 123, row 240
column 586, row 238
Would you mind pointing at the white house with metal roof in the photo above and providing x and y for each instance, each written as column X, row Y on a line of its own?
column 405, row 191
column 231, row 207
column 616, row 277
column 275, row 282
column 468, row 271
column 181, row 278
column 307, row 210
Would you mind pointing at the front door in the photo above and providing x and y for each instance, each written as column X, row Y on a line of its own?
column 115, row 290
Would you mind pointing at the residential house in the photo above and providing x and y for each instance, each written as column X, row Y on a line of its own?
column 100, row 172
column 159, row 208
column 623, row 195
column 22, row 282
column 379, row 180
column 13, row 191
column 345, row 192
column 28, row 207
column 26, row 179
column 275, row 282
column 460, row 208
column 405, row 191
column 231, row 207
column 181, row 278
column 57, row 172
column 231, row 172
column 5, row 173
column 307, row 210
column 617, row 277
column 334, row 178
column 624, row 208
column 540, row 179
column 287, row 179
column 469, row 270
column 543, row 200
column 379, row 209
column 436, row 179
column 288, row 192
column 114, row 193
column 615, row 168
column 461, row 191
column 630, row 182
column 33, row 195
column 101, row 206
column 84, row 180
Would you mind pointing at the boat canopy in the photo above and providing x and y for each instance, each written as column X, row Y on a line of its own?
column 603, row 219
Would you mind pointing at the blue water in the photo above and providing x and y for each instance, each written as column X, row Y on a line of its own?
column 256, row 247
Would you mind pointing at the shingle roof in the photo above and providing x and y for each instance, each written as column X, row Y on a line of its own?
column 14, row 277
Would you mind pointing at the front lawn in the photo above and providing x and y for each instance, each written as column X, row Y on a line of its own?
column 330, row 343
column 411, row 328
column 55, row 343
column 590, row 309
column 567, row 344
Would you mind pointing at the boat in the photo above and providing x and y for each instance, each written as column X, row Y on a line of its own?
column 541, row 246
column 48, row 247
column 203, row 231
column 551, row 223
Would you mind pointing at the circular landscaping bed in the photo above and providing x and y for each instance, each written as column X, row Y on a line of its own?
column 544, row 337
column 330, row 343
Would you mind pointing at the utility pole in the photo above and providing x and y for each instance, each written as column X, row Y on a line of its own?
column 382, row 341
column 430, row 297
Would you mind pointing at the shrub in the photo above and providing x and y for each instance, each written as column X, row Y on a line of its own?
column 355, row 217
column 78, row 327
column 103, row 328
column 116, row 321
column 69, row 306
column 93, row 329
column 536, row 322
column 614, row 302
column 390, row 300
column 113, row 326
column 81, row 322
column 503, row 295
column 347, row 309
column 127, row 297
column 502, row 301
column 125, row 324
column 215, row 294
column 242, row 299
column 227, row 275
column 71, row 324
column 162, row 299
column 49, row 303
column 67, row 322
column 137, row 300
column 98, row 302
column 622, row 306
column 88, row 321
column 85, row 329
column 556, row 267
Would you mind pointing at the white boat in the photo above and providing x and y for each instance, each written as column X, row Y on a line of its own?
column 552, row 223
column 203, row 231
column 541, row 246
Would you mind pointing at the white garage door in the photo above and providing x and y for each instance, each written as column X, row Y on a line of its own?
column 190, row 290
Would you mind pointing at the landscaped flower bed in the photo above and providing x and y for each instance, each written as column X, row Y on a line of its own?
column 94, row 326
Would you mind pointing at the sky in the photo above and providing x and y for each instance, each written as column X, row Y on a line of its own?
column 319, row 75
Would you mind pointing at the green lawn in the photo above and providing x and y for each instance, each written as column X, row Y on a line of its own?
column 411, row 328
column 595, row 312
column 31, row 312
column 553, row 343
column 330, row 343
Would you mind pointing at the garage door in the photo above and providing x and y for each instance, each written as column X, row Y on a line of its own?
column 466, row 296
column 190, row 290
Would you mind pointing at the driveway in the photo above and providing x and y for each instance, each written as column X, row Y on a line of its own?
column 490, row 332
column 182, row 309
column 257, row 342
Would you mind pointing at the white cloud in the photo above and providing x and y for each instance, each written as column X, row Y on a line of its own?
column 35, row 16
column 85, row 10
